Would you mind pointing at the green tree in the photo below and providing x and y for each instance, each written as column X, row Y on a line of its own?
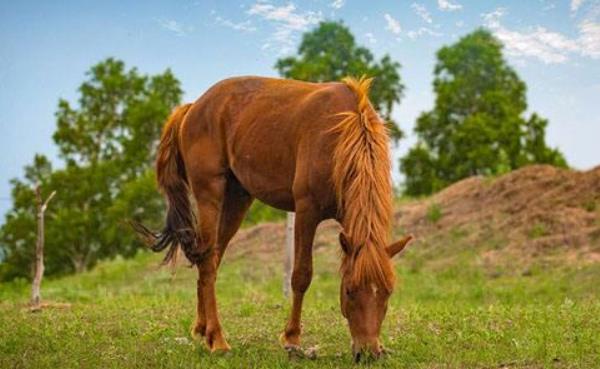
column 107, row 141
column 476, row 126
column 330, row 53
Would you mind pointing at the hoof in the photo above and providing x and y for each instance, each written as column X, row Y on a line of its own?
column 289, row 341
column 223, row 348
column 292, row 346
column 198, row 332
column 217, row 343
column 294, row 352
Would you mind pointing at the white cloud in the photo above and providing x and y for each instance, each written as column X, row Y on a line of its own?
column 576, row 4
column 287, row 20
column 337, row 4
column 543, row 44
column 286, row 15
column 370, row 38
column 422, row 12
column 589, row 39
column 174, row 26
column 540, row 44
column 460, row 24
column 392, row 24
column 245, row 26
column 447, row 5
column 423, row 31
column 492, row 19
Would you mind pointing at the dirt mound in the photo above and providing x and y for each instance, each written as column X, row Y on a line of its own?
column 266, row 241
column 536, row 211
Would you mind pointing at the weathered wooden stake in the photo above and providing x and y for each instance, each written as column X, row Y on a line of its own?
column 39, row 247
column 288, row 261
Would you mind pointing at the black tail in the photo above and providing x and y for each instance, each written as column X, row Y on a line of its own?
column 179, row 230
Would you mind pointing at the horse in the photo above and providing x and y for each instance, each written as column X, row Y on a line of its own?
column 317, row 149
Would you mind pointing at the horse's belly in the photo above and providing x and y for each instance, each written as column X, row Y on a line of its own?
column 270, row 180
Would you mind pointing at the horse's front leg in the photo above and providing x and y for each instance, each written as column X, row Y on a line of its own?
column 304, row 231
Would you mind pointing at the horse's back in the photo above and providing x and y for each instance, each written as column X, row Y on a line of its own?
column 273, row 134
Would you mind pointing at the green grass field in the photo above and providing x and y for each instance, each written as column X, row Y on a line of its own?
column 448, row 312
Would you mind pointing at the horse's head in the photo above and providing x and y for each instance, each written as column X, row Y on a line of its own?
column 364, row 300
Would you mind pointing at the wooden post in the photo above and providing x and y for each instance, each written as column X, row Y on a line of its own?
column 288, row 261
column 39, row 247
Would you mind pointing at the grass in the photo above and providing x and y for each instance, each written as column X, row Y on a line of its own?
column 447, row 312
column 590, row 205
column 434, row 213
column 538, row 230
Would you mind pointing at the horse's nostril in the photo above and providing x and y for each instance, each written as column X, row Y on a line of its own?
column 357, row 357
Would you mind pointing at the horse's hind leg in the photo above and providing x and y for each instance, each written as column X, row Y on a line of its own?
column 209, row 192
column 234, row 204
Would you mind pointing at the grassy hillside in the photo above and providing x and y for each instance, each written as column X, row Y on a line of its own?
column 476, row 290
column 128, row 314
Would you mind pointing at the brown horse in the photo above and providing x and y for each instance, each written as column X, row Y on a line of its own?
column 318, row 149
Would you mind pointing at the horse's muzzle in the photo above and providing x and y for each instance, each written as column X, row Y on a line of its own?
column 367, row 351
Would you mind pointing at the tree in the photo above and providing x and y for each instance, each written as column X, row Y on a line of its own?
column 476, row 126
column 329, row 53
column 108, row 142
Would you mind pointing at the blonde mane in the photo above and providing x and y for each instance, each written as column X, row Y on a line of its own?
column 362, row 181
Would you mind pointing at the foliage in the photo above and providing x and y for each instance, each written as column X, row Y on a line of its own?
column 330, row 53
column 476, row 126
column 107, row 142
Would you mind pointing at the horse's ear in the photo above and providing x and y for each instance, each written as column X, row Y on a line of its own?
column 398, row 246
column 344, row 243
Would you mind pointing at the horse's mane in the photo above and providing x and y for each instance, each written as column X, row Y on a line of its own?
column 361, row 177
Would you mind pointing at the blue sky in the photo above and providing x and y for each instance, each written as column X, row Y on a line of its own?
column 46, row 47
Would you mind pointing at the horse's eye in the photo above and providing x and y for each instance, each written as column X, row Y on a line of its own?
column 347, row 292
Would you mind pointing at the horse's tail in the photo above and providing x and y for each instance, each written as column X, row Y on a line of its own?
column 179, row 230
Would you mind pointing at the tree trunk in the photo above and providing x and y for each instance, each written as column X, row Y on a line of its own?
column 288, row 261
column 39, row 251
column 78, row 262
column 79, row 267
column 39, row 247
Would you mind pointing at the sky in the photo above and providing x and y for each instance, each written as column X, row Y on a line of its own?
column 47, row 47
